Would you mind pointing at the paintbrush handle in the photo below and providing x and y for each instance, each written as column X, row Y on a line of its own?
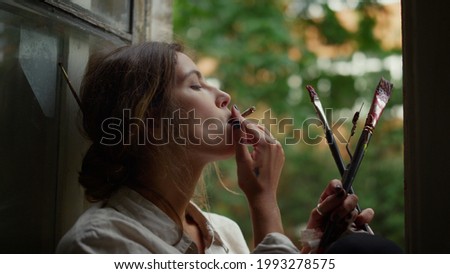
column 348, row 177
column 350, row 174
column 338, row 159
column 335, row 151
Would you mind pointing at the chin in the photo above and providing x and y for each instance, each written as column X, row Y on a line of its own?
column 216, row 153
column 224, row 152
column 214, row 147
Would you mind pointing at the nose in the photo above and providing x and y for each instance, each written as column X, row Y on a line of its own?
column 223, row 99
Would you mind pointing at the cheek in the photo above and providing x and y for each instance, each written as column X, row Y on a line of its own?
column 214, row 132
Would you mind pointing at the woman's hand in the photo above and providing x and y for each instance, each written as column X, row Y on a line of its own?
column 259, row 170
column 258, row 173
column 337, row 206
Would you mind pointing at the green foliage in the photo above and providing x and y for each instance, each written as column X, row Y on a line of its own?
column 331, row 29
column 264, row 59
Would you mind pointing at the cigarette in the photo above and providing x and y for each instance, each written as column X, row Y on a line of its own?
column 248, row 111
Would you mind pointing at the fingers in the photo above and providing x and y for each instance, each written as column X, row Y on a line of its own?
column 247, row 133
column 250, row 133
column 256, row 134
column 260, row 169
column 242, row 153
column 331, row 198
column 365, row 217
column 332, row 201
column 333, row 187
column 336, row 205
column 339, row 208
column 347, row 209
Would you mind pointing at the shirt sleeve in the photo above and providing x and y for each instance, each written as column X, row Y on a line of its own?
column 276, row 243
column 229, row 233
column 100, row 242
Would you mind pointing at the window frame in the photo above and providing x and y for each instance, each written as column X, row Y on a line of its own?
column 94, row 20
column 426, row 67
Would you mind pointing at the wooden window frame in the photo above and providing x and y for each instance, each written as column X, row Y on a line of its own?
column 93, row 19
column 426, row 99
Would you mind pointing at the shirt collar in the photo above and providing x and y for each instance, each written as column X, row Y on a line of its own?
column 134, row 205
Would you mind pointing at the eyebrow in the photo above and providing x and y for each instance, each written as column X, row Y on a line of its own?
column 194, row 71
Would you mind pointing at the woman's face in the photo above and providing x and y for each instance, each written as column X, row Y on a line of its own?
column 204, row 113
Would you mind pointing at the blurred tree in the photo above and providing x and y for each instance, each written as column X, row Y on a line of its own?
column 264, row 52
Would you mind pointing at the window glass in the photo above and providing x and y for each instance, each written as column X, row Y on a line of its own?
column 28, row 136
column 40, row 144
column 37, row 56
column 116, row 14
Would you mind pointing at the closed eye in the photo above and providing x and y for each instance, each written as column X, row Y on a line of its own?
column 196, row 87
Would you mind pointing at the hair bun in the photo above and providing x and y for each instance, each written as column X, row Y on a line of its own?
column 101, row 174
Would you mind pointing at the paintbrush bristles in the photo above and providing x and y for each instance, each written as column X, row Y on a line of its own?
column 312, row 93
column 380, row 98
column 384, row 90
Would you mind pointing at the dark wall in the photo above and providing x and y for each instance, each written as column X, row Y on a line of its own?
column 426, row 63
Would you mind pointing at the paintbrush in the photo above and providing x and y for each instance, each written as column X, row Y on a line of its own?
column 328, row 132
column 331, row 141
column 381, row 97
column 66, row 77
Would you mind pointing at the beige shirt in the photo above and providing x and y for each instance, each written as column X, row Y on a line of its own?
column 129, row 223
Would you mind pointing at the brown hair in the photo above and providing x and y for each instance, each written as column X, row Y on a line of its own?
column 137, row 79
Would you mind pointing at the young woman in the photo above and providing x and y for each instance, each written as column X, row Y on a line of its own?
column 155, row 124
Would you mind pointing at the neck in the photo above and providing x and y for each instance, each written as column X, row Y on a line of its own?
column 171, row 192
